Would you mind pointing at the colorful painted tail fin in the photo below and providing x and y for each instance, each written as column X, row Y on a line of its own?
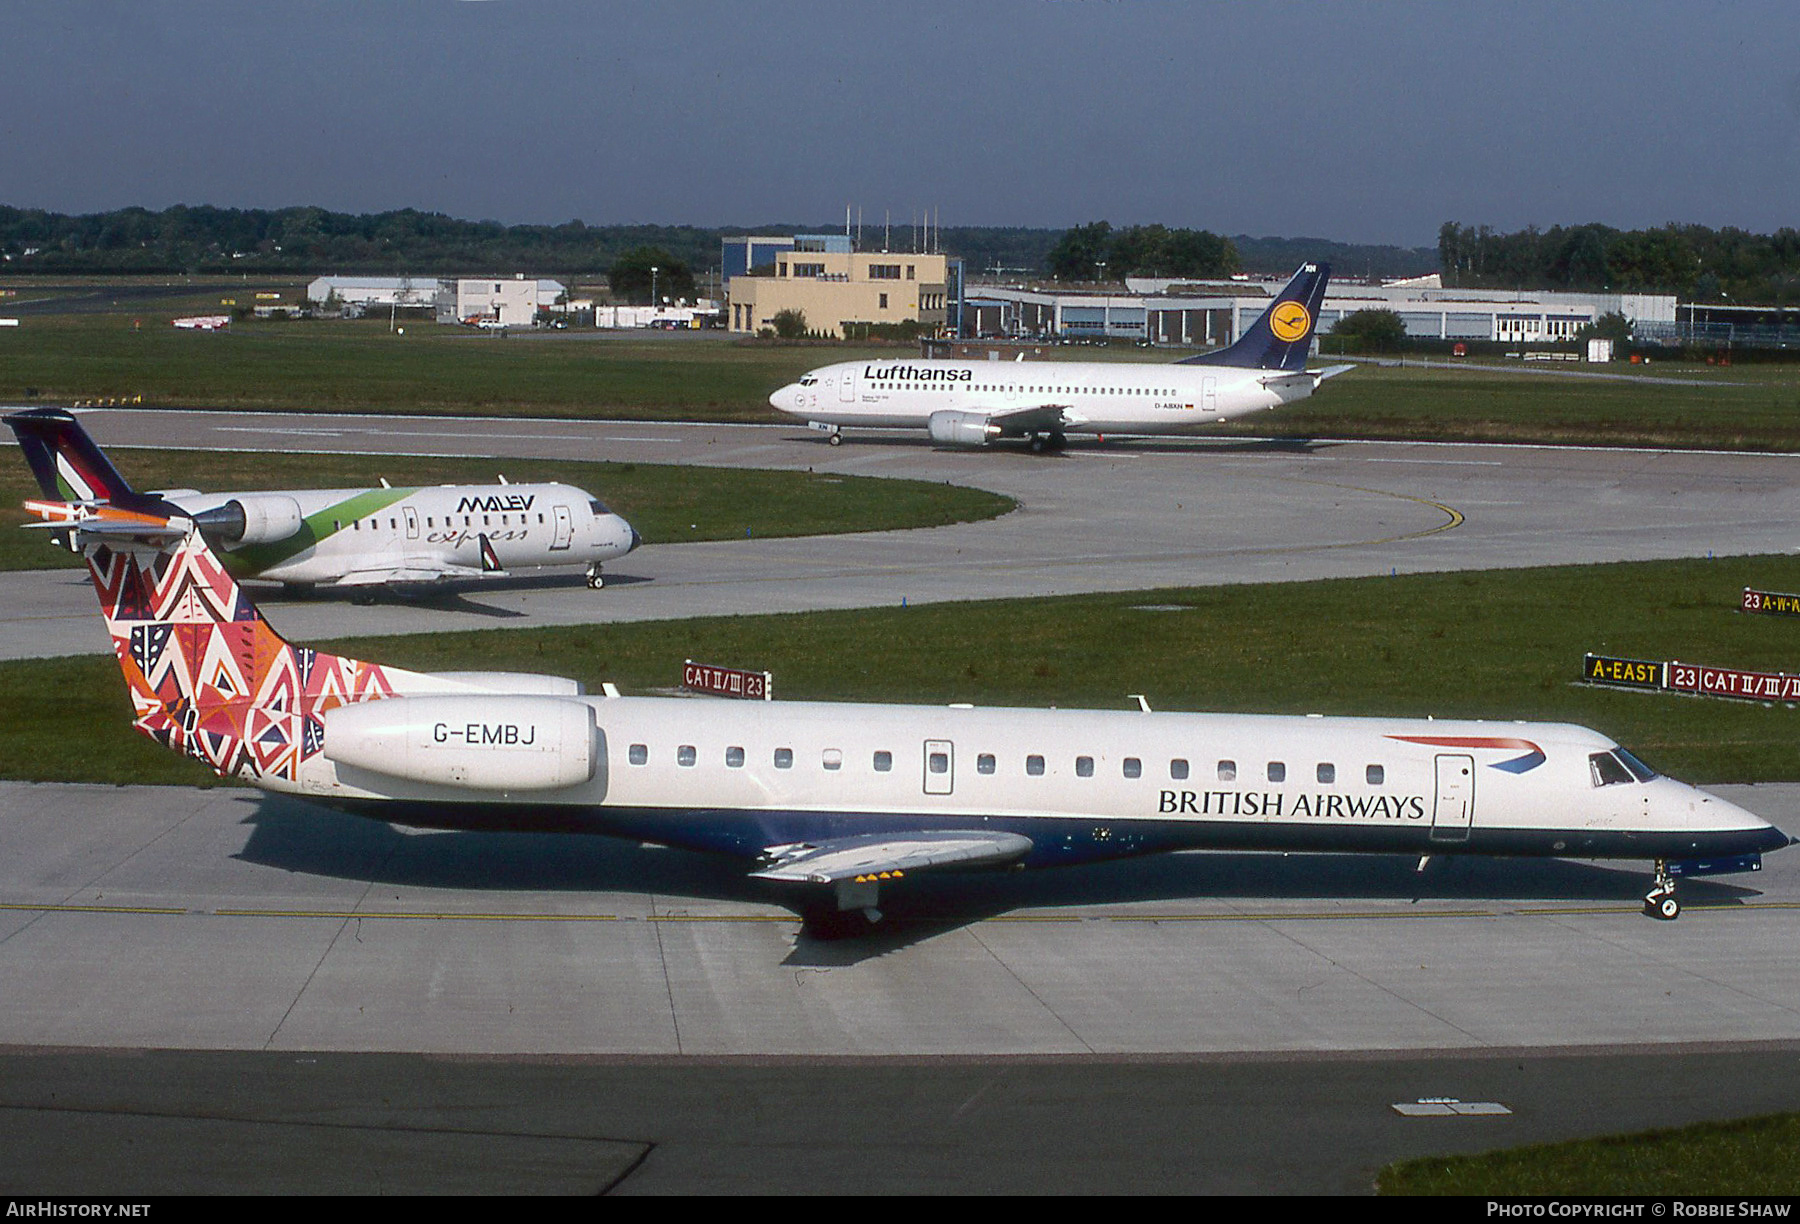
column 1282, row 338
column 67, row 463
column 208, row 675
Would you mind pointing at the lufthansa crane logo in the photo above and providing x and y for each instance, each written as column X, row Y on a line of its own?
column 1290, row 321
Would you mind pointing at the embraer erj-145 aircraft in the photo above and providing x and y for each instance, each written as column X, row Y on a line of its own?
column 351, row 539
column 973, row 403
column 842, row 800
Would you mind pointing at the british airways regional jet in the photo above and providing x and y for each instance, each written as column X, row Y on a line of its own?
column 841, row 801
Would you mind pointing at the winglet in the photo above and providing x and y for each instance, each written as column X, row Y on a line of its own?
column 1282, row 337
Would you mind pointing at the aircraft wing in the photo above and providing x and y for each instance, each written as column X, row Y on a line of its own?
column 412, row 571
column 1039, row 418
column 881, row 855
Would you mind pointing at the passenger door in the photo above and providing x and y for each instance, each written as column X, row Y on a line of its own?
column 940, row 767
column 565, row 528
column 1453, row 811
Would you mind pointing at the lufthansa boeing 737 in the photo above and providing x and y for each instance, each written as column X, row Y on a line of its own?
column 839, row 801
column 359, row 540
column 973, row 403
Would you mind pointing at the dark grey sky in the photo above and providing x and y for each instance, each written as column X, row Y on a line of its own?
column 1361, row 122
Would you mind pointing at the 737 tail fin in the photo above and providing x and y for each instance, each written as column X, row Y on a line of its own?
column 67, row 463
column 1282, row 338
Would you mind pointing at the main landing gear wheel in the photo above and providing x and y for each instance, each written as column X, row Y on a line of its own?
column 1660, row 901
column 830, row 924
column 595, row 579
column 1041, row 443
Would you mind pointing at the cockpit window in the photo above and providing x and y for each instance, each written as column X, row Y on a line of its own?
column 598, row 507
column 1639, row 770
column 808, row 381
column 1608, row 770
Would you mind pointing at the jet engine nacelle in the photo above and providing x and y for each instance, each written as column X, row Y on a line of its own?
column 259, row 519
column 475, row 741
column 950, row 428
column 517, row 683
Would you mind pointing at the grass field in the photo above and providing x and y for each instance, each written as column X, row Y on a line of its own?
column 1754, row 1156
column 360, row 365
column 1498, row 644
column 666, row 503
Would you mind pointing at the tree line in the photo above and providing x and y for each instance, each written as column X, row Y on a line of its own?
column 1694, row 262
column 1097, row 252
column 311, row 240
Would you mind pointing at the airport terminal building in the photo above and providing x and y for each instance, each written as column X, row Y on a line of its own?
column 1205, row 314
column 835, row 286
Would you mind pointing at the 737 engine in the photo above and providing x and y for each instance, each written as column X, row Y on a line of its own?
column 951, row 428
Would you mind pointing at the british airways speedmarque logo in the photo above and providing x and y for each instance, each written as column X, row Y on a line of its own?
column 1532, row 758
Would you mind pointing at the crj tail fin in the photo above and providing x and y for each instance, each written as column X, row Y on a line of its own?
column 67, row 463
column 1282, row 338
column 209, row 677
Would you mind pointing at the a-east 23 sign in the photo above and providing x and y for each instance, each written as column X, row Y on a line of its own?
column 1627, row 673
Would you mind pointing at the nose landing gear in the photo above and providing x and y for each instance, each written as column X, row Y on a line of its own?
column 1660, row 901
column 595, row 579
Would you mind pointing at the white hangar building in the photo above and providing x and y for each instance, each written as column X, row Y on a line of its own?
column 1209, row 313
column 513, row 301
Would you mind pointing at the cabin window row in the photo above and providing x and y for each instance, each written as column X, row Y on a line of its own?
column 468, row 520
column 1325, row 772
column 1034, row 390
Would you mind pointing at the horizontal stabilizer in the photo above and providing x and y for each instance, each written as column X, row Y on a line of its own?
column 877, row 855
column 104, row 522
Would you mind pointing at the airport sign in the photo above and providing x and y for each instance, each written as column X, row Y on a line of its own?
column 727, row 681
column 1770, row 603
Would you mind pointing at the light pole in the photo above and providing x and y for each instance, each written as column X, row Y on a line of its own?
column 653, row 271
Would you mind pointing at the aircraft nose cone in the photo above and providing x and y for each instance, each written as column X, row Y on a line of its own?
column 787, row 399
column 636, row 539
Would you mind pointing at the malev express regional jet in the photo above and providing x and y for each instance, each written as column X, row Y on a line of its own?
column 973, row 403
column 839, row 801
column 351, row 539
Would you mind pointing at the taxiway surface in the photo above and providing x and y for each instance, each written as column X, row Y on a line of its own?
column 1114, row 517
column 422, row 995
column 224, row 919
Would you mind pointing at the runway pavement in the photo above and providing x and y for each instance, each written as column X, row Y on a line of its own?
column 1114, row 517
